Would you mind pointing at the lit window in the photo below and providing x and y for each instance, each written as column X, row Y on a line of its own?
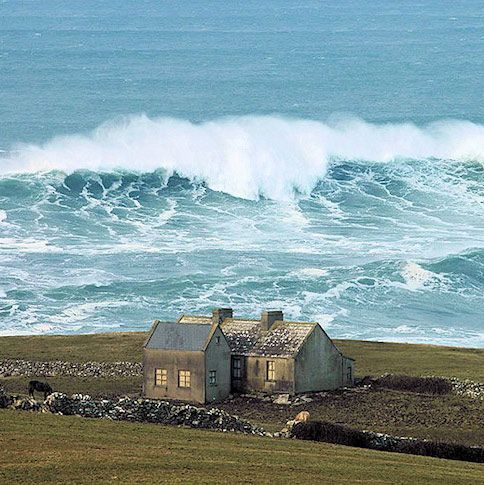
column 236, row 368
column 271, row 370
column 183, row 378
column 161, row 377
column 212, row 377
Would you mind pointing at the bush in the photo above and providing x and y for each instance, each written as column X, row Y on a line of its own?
column 422, row 385
column 343, row 435
column 330, row 433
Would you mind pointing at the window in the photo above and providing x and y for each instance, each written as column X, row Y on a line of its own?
column 161, row 377
column 212, row 377
column 236, row 368
column 183, row 378
column 271, row 370
column 217, row 339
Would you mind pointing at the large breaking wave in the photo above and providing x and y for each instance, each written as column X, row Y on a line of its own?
column 246, row 156
column 145, row 219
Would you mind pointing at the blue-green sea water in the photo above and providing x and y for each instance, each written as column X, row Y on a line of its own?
column 322, row 157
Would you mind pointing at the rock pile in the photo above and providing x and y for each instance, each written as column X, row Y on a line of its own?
column 472, row 389
column 138, row 410
column 11, row 367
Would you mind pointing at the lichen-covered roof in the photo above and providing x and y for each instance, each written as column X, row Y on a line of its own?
column 284, row 339
column 245, row 337
column 173, row 336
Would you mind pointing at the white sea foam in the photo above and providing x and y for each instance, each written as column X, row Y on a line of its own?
column 417, row 277
column 246, row 156
column 3, row 216
column 312, row 272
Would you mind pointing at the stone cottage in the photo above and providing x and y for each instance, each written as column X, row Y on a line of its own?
column 268, row 355
column 186, row 362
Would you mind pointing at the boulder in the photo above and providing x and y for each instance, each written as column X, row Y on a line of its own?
column 5, row 399
column 282, row 399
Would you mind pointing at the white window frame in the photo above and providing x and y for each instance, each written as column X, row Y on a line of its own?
column 184, row 379
column 161, row 377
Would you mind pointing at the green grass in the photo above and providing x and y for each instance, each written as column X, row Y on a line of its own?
column 108, row 347
column 42, row 448
column 94, row 386
column 372, row 358
column 376, row 358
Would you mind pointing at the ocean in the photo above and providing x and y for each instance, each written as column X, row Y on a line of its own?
column 325, row 158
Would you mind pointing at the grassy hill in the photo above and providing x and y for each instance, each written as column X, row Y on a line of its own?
column 64, row 449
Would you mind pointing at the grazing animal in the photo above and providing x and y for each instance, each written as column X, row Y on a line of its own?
column 302, row 417
column 40, row 387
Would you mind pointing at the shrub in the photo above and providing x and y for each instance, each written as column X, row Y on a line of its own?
column 343, row 435
column 423, row 385
column 330, row 433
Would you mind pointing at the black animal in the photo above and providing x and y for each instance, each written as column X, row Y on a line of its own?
column 40, row 387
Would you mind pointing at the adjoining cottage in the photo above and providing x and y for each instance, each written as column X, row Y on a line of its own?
column 267, row 355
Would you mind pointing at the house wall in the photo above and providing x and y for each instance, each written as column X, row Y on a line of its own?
column 255, row 373
column 217, row 357
column 319, row 366
column 172, row 361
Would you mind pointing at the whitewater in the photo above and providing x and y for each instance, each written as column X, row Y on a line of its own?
column 376, row 231
column 247, row 156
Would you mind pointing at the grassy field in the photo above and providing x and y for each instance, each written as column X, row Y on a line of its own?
column 60, row 449
column 372, row 358
column 447, row 418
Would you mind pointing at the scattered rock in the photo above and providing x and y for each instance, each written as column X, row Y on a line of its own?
column 26, row 404
column 282, row 399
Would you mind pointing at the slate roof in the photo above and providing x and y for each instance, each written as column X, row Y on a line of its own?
column 173, row 336
column 245, row 337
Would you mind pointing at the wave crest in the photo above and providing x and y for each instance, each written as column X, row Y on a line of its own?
column 246, row 156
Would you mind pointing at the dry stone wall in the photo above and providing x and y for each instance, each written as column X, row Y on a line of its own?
column 70, row 369
column 137, row 410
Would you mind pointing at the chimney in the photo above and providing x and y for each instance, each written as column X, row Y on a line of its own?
column 220, row 314
column 268, row 318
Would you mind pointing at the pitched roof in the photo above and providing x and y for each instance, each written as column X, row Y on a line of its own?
column 284, row 339
column 245, row 337
column 172, row 336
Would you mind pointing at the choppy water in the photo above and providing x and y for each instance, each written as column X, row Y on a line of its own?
column 374, row 229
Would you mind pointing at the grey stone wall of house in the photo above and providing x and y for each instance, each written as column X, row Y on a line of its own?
column 217, row 358
column 173, row 361
column 256, row 375
column 319, row 365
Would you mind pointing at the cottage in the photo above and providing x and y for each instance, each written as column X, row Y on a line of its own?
column 186, row 362
column 268, row 355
